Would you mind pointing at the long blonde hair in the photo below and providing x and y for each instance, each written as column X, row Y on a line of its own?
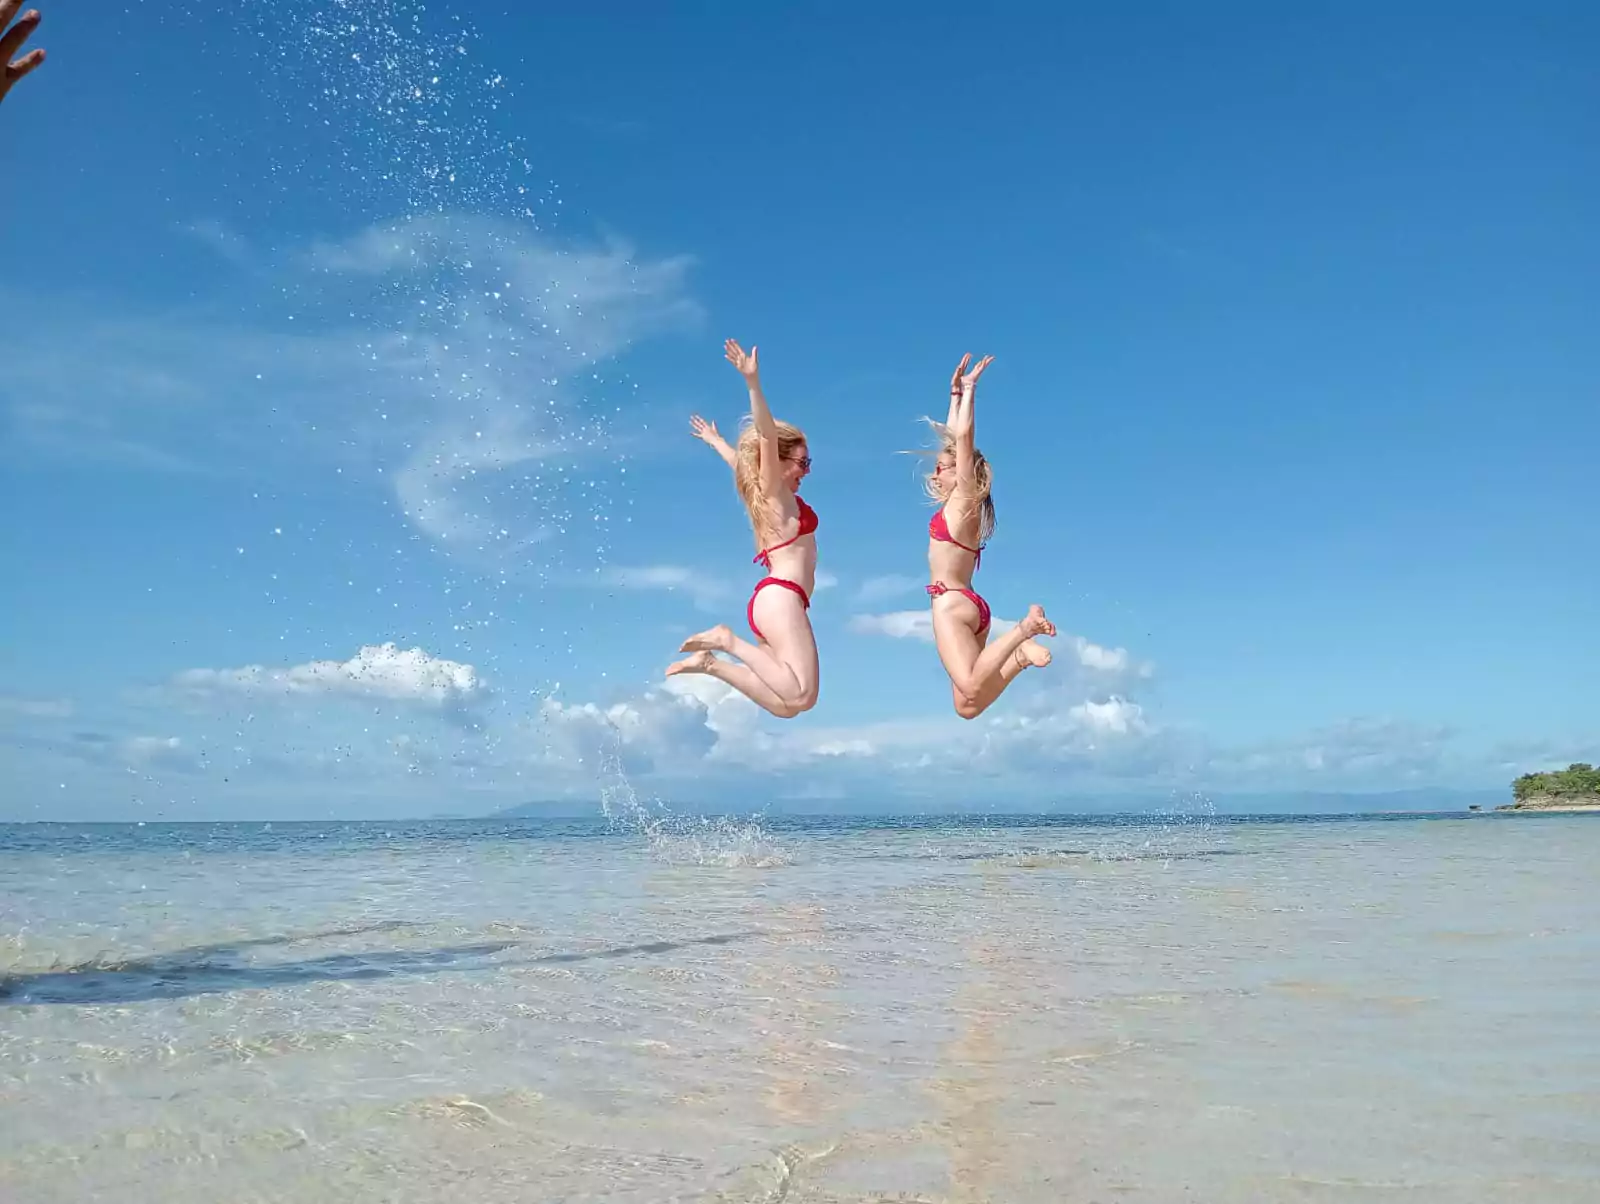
column 980, row 469
column 747, row 470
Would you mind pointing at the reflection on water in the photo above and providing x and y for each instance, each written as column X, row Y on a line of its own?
column 962, row 1011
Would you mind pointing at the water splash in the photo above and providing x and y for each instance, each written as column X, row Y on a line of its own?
column 451, row 348
column 398, row 108
column 487, row 401
column 1182, row 829
column 677, row 839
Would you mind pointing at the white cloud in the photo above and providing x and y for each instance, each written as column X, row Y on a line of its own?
column 157, row 752
column 1093, row 656
column 918, row 625
column 890, row 585
column 1363, row 749
column 1114, row 716
column 826, row 580
column 658, row 730
column 35, row 708
column 376, row 671
column 705, row 591
column 459, row 358
column 845, row 748
column 733, row 718
column 898, row 624
column 223, row 240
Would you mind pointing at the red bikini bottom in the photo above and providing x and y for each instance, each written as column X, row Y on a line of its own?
column 750, row 610
column 939, row 587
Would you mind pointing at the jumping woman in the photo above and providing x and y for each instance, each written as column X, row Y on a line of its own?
column 960, row 482
column 779, row 671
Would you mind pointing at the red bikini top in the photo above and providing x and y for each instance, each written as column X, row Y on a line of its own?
column 939, row 530
column 808, row 524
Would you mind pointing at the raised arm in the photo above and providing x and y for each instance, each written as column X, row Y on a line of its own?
column 955, row 390
column 963, row 397
column 11, row 40
column 708, row 434
column 761, row 416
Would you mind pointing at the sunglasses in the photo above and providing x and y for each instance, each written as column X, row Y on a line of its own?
column 803, row 461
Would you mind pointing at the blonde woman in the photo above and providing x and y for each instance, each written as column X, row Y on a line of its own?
column 961, row 482
column 779, row 671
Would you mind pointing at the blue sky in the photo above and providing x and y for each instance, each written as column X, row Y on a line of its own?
column 362, row 325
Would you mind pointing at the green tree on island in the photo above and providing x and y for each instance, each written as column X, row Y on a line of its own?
column 1576, row 779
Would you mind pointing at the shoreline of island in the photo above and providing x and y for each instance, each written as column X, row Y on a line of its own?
column 1553, row 804
column 1573, row 790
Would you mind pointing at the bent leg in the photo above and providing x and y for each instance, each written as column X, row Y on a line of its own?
column 790, row 644
column 993, row 667
column 955, row 636
column 1028, row 654
column 739, row 677
column 963, row 701
column 783, row 664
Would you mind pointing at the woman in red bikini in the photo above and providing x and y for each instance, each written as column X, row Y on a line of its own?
column 960, row 483
column 779, row 671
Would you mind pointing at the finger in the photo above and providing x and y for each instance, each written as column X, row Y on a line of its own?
column 20, row 68
column 8, row 9
column 18, row 33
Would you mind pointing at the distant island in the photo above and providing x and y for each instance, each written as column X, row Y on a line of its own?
column 1575, row 788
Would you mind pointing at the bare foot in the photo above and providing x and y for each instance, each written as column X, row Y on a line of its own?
column 1031, row 653
column 699, row 662
column 1034, row 624
column 713, row 639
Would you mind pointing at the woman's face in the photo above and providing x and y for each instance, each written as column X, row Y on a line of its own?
column 796, row 466
column 944, row 474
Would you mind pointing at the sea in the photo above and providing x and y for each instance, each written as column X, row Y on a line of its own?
column 1145, row 1009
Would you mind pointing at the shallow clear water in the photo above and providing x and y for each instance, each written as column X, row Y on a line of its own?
column 1023, row 1010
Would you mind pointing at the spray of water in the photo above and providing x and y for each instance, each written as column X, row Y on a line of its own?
column 489, row 395
column 678, row 839
column 1186, row 826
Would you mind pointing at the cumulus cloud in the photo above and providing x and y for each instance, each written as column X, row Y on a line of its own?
column 376, row 671
column 1114, row 716
column 656, row 731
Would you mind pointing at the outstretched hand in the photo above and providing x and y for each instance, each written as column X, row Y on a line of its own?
column 963, row 385
column 703, row 430
column 737, row 357
column 11, row 40
column 963, row 381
